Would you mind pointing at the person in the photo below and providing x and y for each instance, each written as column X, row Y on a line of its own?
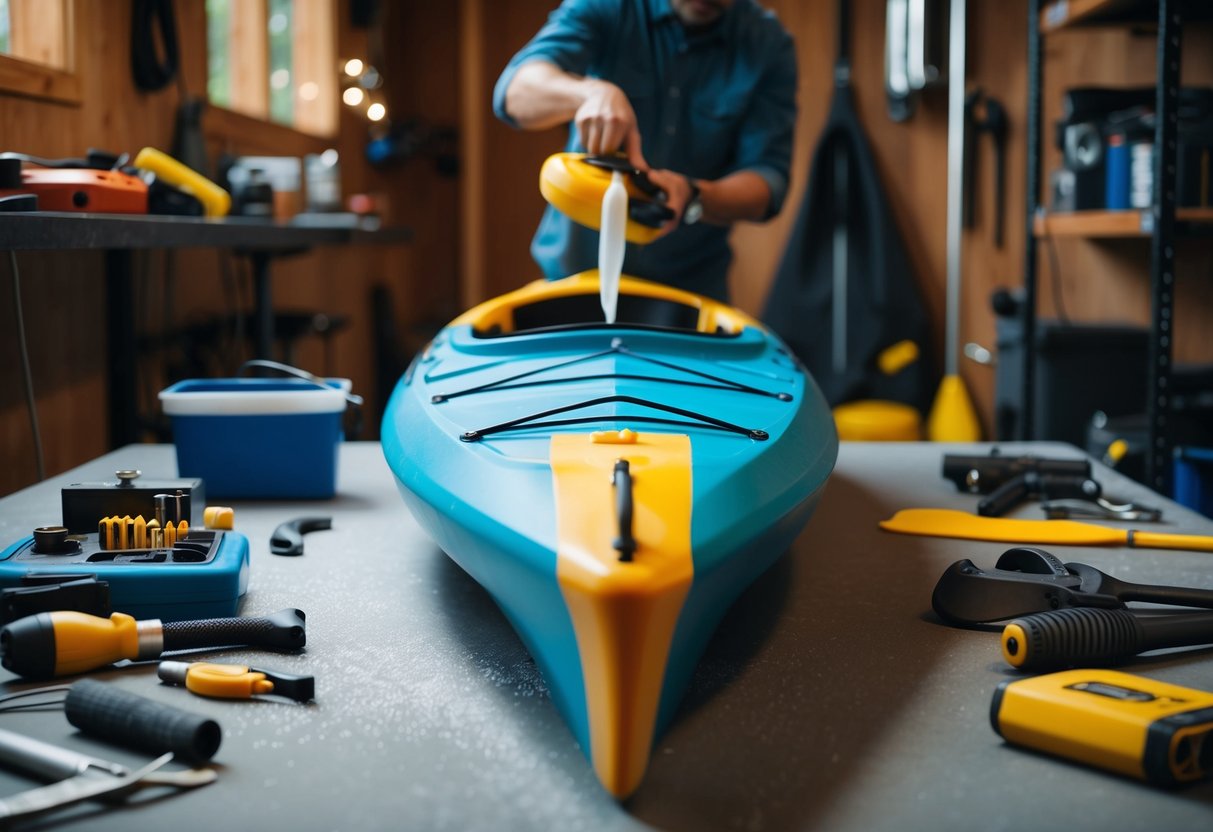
column 700, row 94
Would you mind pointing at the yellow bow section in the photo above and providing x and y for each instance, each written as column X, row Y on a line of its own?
column 624, row 613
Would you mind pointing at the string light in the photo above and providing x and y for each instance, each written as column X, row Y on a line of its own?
column 358, row 82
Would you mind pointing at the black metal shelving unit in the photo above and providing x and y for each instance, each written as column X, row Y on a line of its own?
column 1170, row 17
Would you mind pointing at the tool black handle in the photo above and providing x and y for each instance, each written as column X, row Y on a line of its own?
column 283, row 631
column 132, row 721
column 1067, row 486
column 1008, row 495
column 993, row 470
column 1180, row 596
column 1088, row 636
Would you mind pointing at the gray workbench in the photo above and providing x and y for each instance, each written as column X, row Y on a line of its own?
column 830, row 698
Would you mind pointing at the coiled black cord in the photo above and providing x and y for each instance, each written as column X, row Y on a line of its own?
column 150, row 71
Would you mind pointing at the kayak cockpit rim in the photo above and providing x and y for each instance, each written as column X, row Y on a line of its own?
column 573, row 304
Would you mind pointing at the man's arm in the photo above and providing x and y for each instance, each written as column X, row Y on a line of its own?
column 541, row 95
column 743, row 195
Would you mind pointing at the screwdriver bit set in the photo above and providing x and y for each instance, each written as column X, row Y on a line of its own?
column 138, row 538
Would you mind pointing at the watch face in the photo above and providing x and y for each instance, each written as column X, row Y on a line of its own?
column 693, row 211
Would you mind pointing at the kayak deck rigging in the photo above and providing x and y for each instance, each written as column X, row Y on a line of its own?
column 528, row 422
column 514, row 382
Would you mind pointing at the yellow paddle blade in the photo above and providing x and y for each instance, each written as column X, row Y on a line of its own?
column 942, row 522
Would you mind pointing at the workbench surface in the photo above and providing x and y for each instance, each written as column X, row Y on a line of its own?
column 831, row 697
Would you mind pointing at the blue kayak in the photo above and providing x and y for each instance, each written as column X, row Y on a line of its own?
column 614, row 487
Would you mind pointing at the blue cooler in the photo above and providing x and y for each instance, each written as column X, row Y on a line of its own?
column 258, row 438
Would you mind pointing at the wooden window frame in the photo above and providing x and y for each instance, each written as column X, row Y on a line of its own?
column 19, row 76
column 250, row 104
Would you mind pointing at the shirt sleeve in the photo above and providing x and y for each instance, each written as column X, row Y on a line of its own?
column 571, row 39
column 765, row 141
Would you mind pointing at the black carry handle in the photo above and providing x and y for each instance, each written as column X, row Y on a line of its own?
column 126, row 719
column 625, row 544
column 283, row 631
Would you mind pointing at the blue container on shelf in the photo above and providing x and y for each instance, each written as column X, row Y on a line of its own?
column 258, row 438
column 1193, row 475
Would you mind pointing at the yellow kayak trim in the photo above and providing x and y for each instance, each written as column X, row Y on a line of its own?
column 624, row 614
column 498, row 313
column 575, row 189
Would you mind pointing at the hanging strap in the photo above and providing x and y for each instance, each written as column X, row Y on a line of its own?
column 842, row 45
column 151, row 73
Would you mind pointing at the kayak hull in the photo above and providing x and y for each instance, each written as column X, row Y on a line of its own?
column 507, row 446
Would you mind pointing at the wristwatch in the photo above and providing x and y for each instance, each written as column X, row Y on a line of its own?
column 693, row 211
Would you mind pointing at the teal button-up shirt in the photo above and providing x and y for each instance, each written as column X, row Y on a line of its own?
column 707, row 104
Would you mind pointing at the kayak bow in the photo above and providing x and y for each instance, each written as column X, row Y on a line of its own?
column 613, row 486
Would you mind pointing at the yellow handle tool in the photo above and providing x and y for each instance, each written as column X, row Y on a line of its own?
column 61, row 643
column 234, row 681
column 216, row 202
column 940, row 522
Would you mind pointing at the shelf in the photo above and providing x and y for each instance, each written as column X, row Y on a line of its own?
column 51, row 231
column 1062, row 14
column 1065, row 14
column 1119, row 223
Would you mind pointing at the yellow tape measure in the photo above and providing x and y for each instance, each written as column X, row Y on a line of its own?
column 1138, row 727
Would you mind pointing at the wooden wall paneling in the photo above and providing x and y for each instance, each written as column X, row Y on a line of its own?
column 62, row 306
column 473, row 211
column 512, row 158
column 422, row 67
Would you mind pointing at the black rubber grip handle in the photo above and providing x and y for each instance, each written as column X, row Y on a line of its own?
column 138, row 723
column 1004, row 498
column 283, row 631
column 1090, row 636
column 287, row 539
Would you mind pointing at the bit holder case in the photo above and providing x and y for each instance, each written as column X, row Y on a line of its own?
column 203, row 575
column 85, row 503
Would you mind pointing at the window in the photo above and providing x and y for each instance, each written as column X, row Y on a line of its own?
column 35, row 31
column 275, row 60
column 37, row 55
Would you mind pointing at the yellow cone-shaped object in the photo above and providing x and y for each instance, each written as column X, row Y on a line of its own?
column 952, row 417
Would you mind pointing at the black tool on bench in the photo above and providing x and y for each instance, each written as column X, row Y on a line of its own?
column 1007, row 481
column 287, row 539
column 1026, row 580
column 62, row 643
column 1089, row 637
column 117, row 716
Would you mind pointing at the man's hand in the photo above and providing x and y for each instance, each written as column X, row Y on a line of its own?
column 606, row 122
column 678, row 193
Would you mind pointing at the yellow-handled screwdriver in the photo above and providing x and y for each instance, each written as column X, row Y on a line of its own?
column 235, row 681
column 61, row 643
